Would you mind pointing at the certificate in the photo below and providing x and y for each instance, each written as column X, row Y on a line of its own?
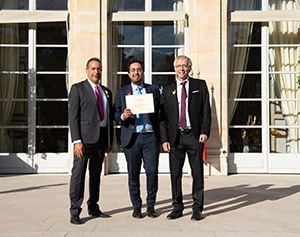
column 140, row 104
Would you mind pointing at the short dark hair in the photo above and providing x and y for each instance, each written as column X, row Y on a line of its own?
column 135, row 60
column 92, row 59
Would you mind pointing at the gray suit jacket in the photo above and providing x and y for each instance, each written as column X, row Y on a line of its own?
column 84, row 118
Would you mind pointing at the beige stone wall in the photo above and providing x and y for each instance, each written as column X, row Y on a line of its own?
column 84, row 32
column 87, row 38
column 206, row 49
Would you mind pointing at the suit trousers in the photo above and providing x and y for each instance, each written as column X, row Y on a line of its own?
column 93, row 157
column 143, row 147
column 187, row 144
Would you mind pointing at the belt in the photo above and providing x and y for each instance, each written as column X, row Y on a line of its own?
column 185, row 131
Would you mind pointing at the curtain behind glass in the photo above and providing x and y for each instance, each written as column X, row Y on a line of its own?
column 285, row 59
column 14, row 4
column 238, row 57
column 9, row 62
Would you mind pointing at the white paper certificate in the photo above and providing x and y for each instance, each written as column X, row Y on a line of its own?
column 140, row 104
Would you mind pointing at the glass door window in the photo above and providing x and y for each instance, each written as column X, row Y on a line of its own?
column 156, row 42
column 51, row 88
column 33, row 88
column 14, row 87
column 264, row 89
column 245, row 97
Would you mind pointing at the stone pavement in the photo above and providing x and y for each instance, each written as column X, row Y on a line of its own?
column 235, row 205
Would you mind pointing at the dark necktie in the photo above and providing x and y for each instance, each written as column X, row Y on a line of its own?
column 183, row 107
column 100, row 103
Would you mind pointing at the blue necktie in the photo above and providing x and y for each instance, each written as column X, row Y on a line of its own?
column 139, row 122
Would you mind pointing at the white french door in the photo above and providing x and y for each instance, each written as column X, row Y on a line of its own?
column 264, row 92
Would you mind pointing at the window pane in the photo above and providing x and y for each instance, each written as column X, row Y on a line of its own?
column 165, row 5
column 17, row 110
column 119, row 81
column 249, row 85
column 284, row 140
column 244, row 33
column 13, row 140
column 163, row 59
column 51, row 33
column 51, row 59
column 52, row 113
column 234, row 5
column 52, row 4
column 165, row 34
column 122, row 55
column 245, row 140
column 14, row 86
column 14, row 4
column 283, row 4
column 245, row 59
column 14, row 33
column 247, row 113
column 13, row 59
column 129, row 5
column 128, row 34
column 14, row 112
column 162, row 80
column 51, row 86
column 51, row 140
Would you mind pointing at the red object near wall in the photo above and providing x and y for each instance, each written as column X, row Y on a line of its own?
column 204, row 152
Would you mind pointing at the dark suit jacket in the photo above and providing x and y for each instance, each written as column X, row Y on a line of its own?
column 83, row 114
column 198, row 108
column 128, row 126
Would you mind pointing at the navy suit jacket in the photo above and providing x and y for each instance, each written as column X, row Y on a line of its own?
column 128, row 126
column 198, row 108
column 84, row 118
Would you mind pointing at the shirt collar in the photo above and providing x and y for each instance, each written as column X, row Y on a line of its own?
column 179, row 82
column 134, row 87
column 93, row 84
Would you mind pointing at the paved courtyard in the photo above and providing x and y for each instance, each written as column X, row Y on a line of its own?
column 235, row 205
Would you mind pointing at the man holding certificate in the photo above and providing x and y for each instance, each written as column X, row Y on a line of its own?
column 137, row 110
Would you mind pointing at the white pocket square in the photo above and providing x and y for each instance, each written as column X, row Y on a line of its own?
column 195, row 91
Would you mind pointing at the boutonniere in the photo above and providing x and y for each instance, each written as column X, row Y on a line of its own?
column 106, row 93
column 129, row 93
column 174, row 92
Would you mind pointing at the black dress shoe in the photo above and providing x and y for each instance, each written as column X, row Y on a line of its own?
column 197, row 215
column 151, row 212
column 75, row 220
column 98, row 213
column 174, row 215
column 137, row 213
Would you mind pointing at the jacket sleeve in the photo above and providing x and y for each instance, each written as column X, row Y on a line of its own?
column 118, row 107
column 163, row 119
column 74, row 114
column 206, row 121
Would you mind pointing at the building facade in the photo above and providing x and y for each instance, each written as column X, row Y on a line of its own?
column 247, row 51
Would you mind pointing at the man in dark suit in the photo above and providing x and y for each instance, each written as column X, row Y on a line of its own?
column 91, row 120
column 185, row 127
column 139, row 138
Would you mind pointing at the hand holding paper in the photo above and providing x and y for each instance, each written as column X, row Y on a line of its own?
column 140, row 104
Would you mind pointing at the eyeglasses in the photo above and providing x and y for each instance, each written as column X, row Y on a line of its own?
column 182, row 66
